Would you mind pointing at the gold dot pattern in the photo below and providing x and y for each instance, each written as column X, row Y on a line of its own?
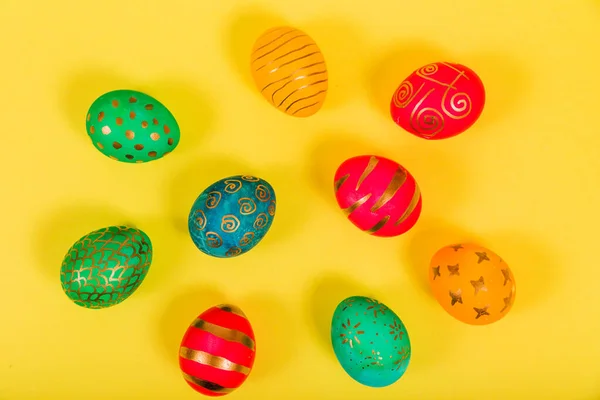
column 124, row 119
column 289, row 70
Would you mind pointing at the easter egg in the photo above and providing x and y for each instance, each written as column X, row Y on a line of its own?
column 105, row 267
column 131, row 127
column 231, row 216
column 370, row 341
column 289, row 71
column 438, row 101
column 472, row 283
column 378, row 195
column 217, row 351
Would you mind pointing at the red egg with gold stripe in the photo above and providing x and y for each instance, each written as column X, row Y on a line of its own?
column 378, row 195
column 217, row 351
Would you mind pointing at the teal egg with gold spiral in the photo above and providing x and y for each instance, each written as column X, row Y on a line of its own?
column 131, row 127
column 106, row 266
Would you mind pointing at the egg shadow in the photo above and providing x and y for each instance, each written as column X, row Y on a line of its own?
column 61, row 228
column 428, row 237
column 191, row 108
column 247, row 25
column 186, row 185
column 275, row 333
column 323, row 296
column 503, row 78
column 55, row 235
column 327, row 153
column 441, row 190
column 342, row 45
column 389, row 70
column 180, row 312
column 534, row 265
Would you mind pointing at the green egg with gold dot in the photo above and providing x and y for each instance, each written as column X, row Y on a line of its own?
column 106, row 266
column 131, row 127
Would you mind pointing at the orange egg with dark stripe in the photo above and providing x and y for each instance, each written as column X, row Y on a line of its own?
column 289, row 70
column 217, row 351
column 378, row 195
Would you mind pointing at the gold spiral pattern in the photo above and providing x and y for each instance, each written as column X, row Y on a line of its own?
column 232, row 185
column 200, row 219
column 250, row 178
column 213, row 240
column 404, row 94
column 247, row 206
column 233, row 251
column 262, row 193
column 458, row 107
column 246, row 239
column 428, row 70
column 271, row 209
column 213, row 199
column 289, row 70
column 261, row 221
column 428, row 121
column 230, row 223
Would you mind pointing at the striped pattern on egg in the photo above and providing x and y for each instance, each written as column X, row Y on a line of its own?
column 289, row 70
column 217, row 351
column 131, row 127
column 378, row 195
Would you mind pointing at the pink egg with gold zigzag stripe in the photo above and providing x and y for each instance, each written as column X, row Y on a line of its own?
column 378, row 195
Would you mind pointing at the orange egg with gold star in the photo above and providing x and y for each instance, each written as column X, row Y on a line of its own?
column 472, row 283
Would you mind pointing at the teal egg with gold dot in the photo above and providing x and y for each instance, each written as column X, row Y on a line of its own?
column 370, row 341
column 106, row 266
column 131, row 127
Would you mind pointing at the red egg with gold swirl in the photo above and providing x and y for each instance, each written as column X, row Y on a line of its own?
column 438, row 101
column 378, row 195
column 217, row 352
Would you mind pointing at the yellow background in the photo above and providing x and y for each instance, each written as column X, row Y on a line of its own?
column 523, row 182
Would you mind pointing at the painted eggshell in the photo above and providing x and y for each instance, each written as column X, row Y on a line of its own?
column 231, row 216
column 289, row 71
column 106, row 266
column 438, row 101
column 370, row 341
column 131, row 127
column 217, row 351
column 378, row 195
column 472, row 283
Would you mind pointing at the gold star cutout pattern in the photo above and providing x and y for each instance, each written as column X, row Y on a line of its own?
column 456, row 297
column 436, row 272
column 482, row 257
column 453, row 269
column 457, row 247
column 481, row 311
column 507, row 277
column 478, row 285
column 507, row 302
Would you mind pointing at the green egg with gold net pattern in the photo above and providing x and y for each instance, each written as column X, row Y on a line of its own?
column 105, row 267
column 132, row 127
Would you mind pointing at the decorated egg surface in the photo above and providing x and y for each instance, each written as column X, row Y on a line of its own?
column 438, row 101
column 217, row 351
column 472, row 283
column 131, row 127
column 378, row 195
column 370, row 341
column 289, row 71
column 105, row 267
column 232, row 215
